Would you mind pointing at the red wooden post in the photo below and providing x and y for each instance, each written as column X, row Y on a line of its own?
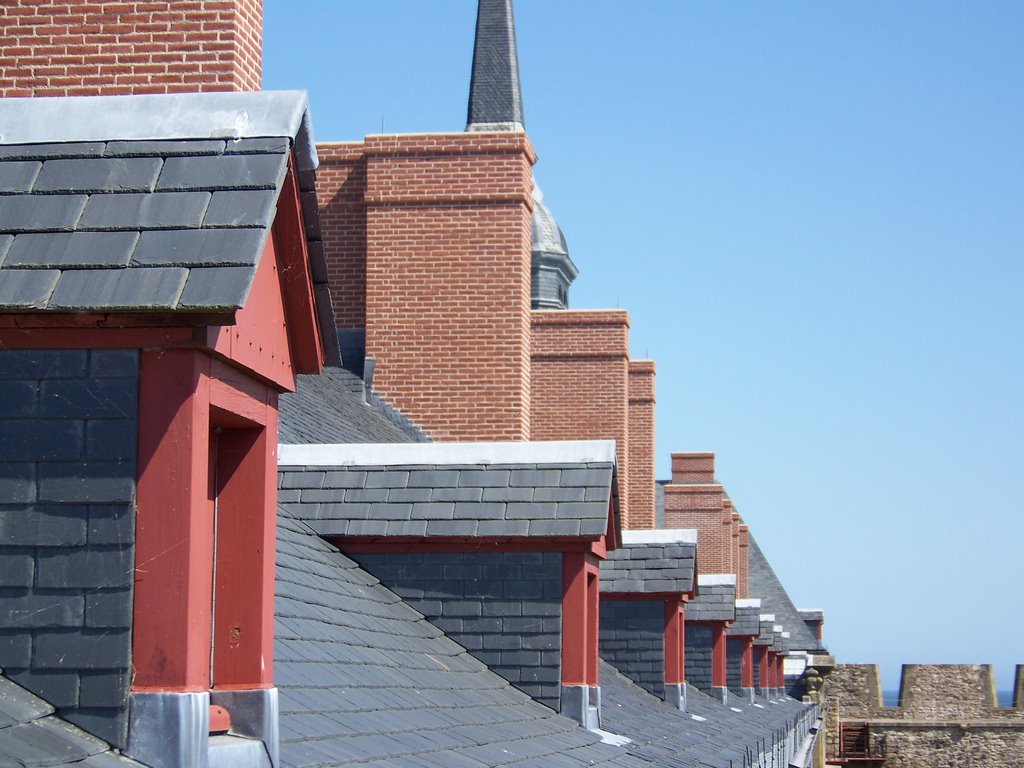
column 718, row 641
column 174, row 525
column 747, row 663
column 675, row 667
column 762, row 666
column 780, row 673
column 580, row 597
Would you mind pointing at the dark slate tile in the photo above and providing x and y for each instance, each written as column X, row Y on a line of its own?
column 128, row 174
column 216, row 287
column 142, row 289
column 17, row 176
column 41, row 439
column 43, row 363
column 534, row 477
column 66, row 250
column 5, row 244
column 224, row 172
column 102, row 650
column 272, row 144
column 27, row 288
column 509, row 494
column 18, row 483
column 451, row 527
column 113, row 363
column 17, row 570
column 163, row 148
column 583, row 477
column 241, row 208
column 32, row 610
column 40, row 213
column 484, row 478
column 93, row 482
column 200, row 248
column 167, row 210
column 92, row 568
column 554, row 527
column 44, row 151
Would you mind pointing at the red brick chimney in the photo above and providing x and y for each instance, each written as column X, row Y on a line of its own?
column 693, row 467
column 110, row 48
column 641, row 444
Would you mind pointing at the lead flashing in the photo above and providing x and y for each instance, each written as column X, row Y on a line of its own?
column 397, row 454
column 66, row 119
column 661, row 536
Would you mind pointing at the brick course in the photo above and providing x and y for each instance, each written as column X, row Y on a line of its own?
column 114, row 48
column 701, row 507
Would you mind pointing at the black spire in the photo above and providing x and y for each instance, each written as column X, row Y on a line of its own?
column 495, row 102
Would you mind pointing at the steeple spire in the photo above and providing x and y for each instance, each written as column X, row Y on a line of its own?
column 495, row 101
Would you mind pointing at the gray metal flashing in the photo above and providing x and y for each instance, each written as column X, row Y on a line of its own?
column 395, row 454
column 155, row 117
column 169, row 730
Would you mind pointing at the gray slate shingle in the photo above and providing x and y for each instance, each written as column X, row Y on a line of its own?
column 390, row 496
column 647, row 568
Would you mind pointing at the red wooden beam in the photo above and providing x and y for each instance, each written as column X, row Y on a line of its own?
column 174, row 524
column 675, row 667
column 747, row 663
column 718, row 646
column 96, row 338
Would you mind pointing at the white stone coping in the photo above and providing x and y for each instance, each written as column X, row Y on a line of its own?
column 767, row 617
column 661, row 536
column 372, row 454
column 716, row 579
column 748, row 602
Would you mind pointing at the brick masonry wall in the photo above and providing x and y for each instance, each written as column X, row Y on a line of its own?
column 448, row 280
column 734, row 536
column 700, row 507
column 743, row 564
column 631, row 638
column 641, row 443
column 113, row 48
column 67, row 526
column 698, row 656
column 580, row 384
column 693, row 467
column 340, row 187
column 504, row 608
column 733, row 664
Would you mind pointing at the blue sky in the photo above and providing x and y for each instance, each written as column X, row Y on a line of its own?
column 814, row 213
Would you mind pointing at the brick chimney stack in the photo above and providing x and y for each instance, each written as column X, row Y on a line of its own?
column 115, row 48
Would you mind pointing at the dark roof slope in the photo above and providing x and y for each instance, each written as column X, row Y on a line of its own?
column 718, row 737
column 655, row 565
column 364, row 679
column 433, row 499
column 31, row 735
column 763, row 583
column 330, row 408
column 135, row 225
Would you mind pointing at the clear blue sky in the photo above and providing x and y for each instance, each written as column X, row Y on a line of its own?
column 814, row 213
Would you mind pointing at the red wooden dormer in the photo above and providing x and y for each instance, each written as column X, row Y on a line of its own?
column 133, row 229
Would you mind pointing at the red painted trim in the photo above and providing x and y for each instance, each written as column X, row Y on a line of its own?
column 258, row 340
column 780, row 672
column 747, row 663
column 111, row 320
column 296, row 279
column 580, row 599
column 244, row 601
column 599, row 548
column 379, row 545
column 633, row 596
column 675, row 668
column 93, row 338
column 718, row 648
column 174, row 524
column 611, row 536
column 236, row 399
column 772, row 669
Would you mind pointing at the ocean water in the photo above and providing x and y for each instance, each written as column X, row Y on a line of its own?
column 892, row 698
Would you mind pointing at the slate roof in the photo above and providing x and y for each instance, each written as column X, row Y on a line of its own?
column 364, row 679
column 763, row 583
column 32, row 735
column 651, row 561
column 722, row 737
column 716, row 599
column 747, row 621
column 495, row 99
column 126, row 204
column 332, row 408
column 435, row 490
column 766, row 633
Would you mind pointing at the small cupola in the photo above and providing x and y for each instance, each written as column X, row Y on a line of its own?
column 551, row 269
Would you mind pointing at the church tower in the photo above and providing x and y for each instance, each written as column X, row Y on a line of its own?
column 496, row 104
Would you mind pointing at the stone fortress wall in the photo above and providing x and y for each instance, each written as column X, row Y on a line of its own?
column 948, row 716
